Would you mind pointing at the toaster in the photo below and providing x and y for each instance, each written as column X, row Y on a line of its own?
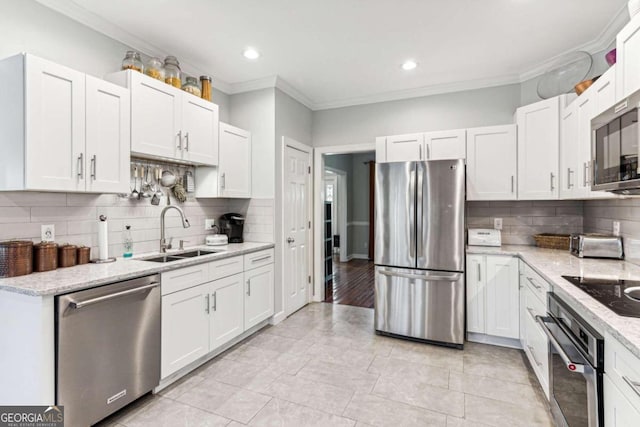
column 596, row 246
column 484, row 237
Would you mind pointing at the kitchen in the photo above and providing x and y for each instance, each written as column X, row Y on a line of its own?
column 271, row 112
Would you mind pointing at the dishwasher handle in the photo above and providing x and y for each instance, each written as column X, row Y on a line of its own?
column 82, row 304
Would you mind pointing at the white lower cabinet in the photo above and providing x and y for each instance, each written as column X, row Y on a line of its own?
column 258, row 300
column 185, row 328
column 206, row 306
column 618, row 411
column 492, row 296
column 227, row 306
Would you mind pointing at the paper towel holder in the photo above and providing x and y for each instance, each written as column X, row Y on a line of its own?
column 106, row 260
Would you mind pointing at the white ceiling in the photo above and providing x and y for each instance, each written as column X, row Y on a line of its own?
column 343, row 52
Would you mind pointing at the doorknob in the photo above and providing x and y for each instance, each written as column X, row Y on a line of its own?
column 290, row 240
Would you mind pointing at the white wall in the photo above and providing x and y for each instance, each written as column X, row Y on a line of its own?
column 363, row 123
column 27, row 26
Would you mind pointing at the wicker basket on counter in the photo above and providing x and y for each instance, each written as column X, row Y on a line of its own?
column 552, row 241
column 16, row 258
column 45, row 256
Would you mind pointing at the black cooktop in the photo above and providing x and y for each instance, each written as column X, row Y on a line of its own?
column 621, row 296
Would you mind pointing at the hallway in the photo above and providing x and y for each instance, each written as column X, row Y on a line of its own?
column 352, row 283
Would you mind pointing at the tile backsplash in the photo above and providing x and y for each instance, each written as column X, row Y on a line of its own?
column 600, row 214
column 522, row 219
column 75, row 217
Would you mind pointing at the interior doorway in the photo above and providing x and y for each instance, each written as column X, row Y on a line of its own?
column 348, row 228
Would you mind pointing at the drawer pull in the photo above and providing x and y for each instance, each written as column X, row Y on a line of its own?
column 531, row 313
column 633, row 384
column 533, row 283
column 261, row 258
column 533, row 354
column 226, row 265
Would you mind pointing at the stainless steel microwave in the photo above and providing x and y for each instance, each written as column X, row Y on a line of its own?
column 614, row 148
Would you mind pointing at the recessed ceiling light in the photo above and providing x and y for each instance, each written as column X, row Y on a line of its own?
column 251, row 53
column 409, row 65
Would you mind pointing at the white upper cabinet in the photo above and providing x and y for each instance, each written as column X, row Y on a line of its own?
column 628, row 59
column 400, row 148
column 570, row 165
column 440, row 145
column 107, row 137
column 492, row 163
column 235, row 162
column 168, row 123
column 604, row 91
column 64, row 131
column 443, row 145
column 538, row 147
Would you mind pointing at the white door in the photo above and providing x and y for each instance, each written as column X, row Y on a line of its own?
column 258, row 297
column 331, row 196
column 55, row 127
column 185, row 328
column 227, row 310
column 296, row 226
column 502, row 297
column 628, row 59
column 404, row 148
column 492, row 163
column 538, row 146
column 200, row 130
column 108, row 136
column 443, row 145
column 571, row 168
column 155, row 117
column 235, row 162
column 476, row 281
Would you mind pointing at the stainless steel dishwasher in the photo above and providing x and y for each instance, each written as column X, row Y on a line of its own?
column 107, row 348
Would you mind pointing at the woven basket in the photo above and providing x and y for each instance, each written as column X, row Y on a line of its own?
column 552, row 241
column 16, row 258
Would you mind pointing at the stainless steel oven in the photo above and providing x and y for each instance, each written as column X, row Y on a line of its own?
column 576, row 366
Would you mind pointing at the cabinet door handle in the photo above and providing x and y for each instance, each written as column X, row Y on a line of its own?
column 588, row 173
column 479, row 273
column 249, row 287
column 420, row 151
column 179, row 146
column 584, row 174
column 206, row 307
column 428, row 152
column 81, row 166
column 94, row 167
column 223, row 178
column 215, row 301
column 186, row 141
column 513, row 184
column 552, row 177
column 533, row 354
column 635, row 386
column 569, row 184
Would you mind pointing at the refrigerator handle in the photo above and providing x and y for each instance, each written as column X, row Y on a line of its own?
column 416, row 227
column 454, row 277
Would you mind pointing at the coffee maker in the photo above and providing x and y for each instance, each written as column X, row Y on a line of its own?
column 232, row 225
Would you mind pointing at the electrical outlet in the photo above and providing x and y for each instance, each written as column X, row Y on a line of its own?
column 366, row 245
column 209, row 223
column 616, row 228
column 48, row 233
column 497, row 223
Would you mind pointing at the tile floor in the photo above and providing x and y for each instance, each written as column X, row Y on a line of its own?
column 324, row 366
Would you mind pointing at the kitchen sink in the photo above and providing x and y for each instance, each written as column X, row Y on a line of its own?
column 180, row 256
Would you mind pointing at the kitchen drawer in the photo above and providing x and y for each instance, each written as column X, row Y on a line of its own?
column 536, row 347
column 623, row 368
column 183, row 278
column 536, row 283
column 225, row 267
column 532, row 303
column 258, row 259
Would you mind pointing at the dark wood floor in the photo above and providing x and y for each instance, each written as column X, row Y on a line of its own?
column 352, row 283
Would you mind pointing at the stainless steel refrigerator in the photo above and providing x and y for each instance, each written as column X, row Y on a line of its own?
column 419, row 250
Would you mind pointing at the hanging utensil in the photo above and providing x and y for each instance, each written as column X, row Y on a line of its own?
column 146, row 186
column 155, row 200
column 134, row 192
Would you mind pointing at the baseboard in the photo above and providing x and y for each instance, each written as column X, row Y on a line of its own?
column 359, row 256
column 490, row 339
column 277, row 318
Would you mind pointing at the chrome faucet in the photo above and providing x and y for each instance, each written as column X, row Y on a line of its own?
column 185, row 224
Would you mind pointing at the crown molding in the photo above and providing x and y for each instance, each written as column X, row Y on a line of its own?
column 79, row 14
column 287, row 88
column 251, row 85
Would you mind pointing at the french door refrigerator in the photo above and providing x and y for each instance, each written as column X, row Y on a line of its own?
column 419, row 250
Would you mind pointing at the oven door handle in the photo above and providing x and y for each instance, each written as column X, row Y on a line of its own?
column 571, row 365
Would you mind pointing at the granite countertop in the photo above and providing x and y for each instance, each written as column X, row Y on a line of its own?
column 65, row 280
column 552, row 264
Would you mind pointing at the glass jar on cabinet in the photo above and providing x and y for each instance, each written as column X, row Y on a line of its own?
column 132, row 61
column 172, row 72
column 191, row 85
column 154, row 69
